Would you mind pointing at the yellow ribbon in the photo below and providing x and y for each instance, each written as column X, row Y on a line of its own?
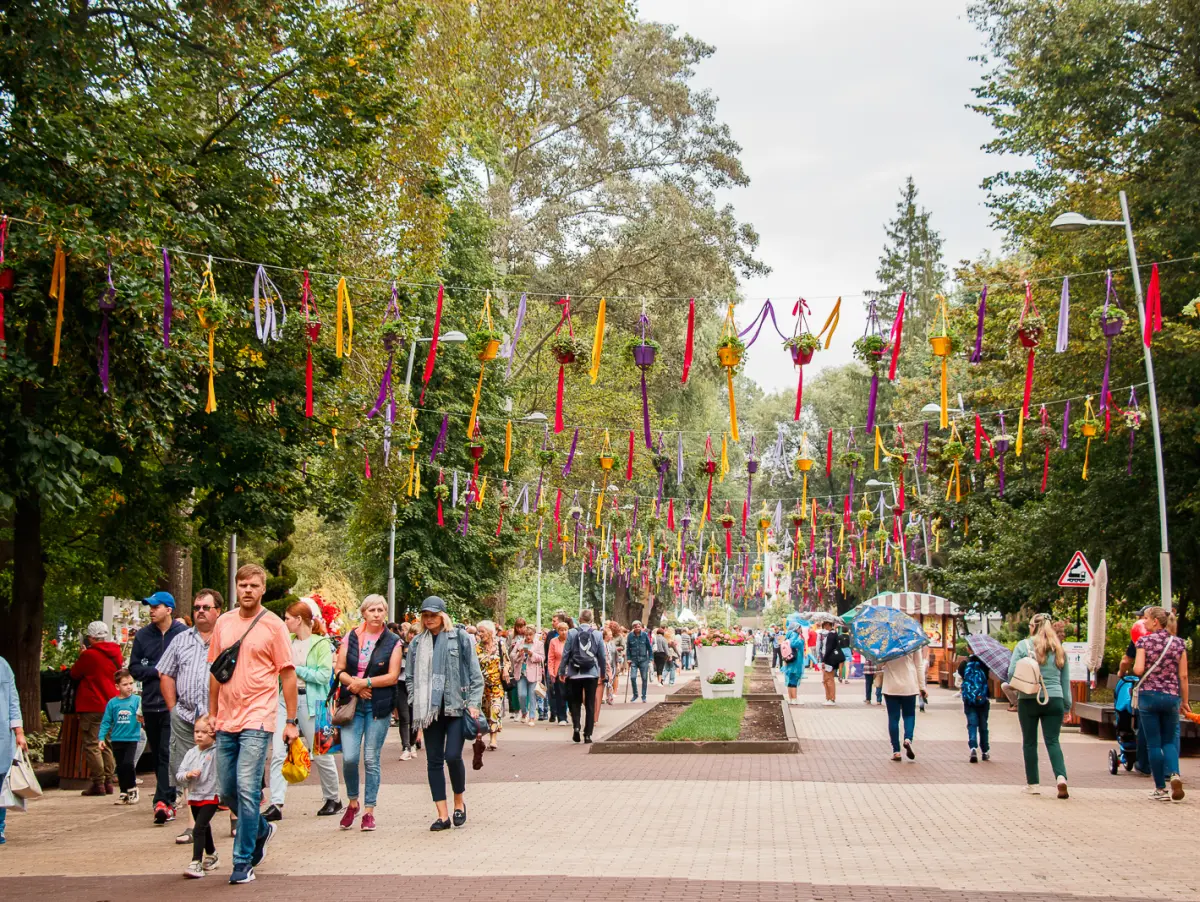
column 58, row 291
column 733, row 427
column 343, row 301
column 831, row 323
column 507, row 444
column 482, row 489
column 878, row 446
column 475, row 407
column 724, row 458
column 210, row 326
column 1020, row 433
column 597, row 343
column 599, row 504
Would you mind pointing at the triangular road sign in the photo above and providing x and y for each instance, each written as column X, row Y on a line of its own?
column 1079, row 573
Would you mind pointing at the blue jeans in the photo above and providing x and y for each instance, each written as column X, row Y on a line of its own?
column 371, row 731
column 685, row 660
column 1158, row 713
column 527, row 694
column 669, row 673
column 3, row 811
column 977, row 726
column 241, row 760
column 642, row 667
column 1143, row 754
column 898, row 705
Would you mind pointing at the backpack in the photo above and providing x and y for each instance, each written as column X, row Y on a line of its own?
column 834, row 656
column 1027, row 677
column 786, row 651
column 583, row 657
column 975, row 684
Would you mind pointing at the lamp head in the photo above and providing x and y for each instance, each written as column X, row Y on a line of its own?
column 1070, row 222
column 453, row 337
column 535, row 417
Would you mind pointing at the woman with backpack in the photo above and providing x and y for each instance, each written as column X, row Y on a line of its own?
column 791, row 649
column 1038, row 671
column 976, row 705
column 1162, row 695
column 831, row 656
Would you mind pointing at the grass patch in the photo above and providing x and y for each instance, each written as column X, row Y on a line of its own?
column 707, row 720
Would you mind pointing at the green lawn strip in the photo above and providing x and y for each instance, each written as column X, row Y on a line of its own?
column 706, row 720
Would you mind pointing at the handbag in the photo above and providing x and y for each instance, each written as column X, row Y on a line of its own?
column 1133, row 696
column 225, row 663
column 21, row 778
column 1027, row 677
column 325, row 734
column 297, row 764
column 342, row 712
column 10, row 801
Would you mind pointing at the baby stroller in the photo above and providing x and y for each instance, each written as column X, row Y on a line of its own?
column 1126, row 751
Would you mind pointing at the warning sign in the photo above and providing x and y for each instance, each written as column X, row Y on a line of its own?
column 1079, row 573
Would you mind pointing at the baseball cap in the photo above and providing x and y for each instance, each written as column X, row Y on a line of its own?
column 160, row 598
column 1142, row 610
column 433, row 605
column 97, row 629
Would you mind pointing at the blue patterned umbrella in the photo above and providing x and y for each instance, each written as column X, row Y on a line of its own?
column 883, row 634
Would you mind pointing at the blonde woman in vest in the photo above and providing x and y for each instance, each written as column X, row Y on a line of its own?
column 1045, row 648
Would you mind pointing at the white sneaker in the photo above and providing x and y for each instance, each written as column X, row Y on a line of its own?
column 1032, row 789
column 1062, row 787
column 1161, row 795
column 829, row 704
column 406, row 755
column 1176, row 788
column 133, row 797
column 195, row 869
column 211, row 861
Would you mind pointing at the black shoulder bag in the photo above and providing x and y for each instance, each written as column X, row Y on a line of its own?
column 225, row 663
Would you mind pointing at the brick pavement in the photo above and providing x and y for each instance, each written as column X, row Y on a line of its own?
column 839, row 821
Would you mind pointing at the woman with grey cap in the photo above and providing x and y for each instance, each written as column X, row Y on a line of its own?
column 444, row 684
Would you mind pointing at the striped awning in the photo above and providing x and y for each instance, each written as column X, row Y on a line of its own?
column 916, row 603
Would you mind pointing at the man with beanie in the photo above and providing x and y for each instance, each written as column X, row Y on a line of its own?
column 93, row 671
column 149, row 643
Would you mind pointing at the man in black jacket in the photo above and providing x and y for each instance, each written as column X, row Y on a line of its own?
column 149, row 643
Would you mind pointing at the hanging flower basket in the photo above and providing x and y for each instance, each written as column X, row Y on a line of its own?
column 485, row 343
column 865, row 518
column 414, row 441
column 545, row 457
column 606, row 461
column 870, row 350
column 797, row 518
column 851, row 459
column 804, row 464
column 1087, row 430
column 475, row 449
column 576, row 513
column 1110, row 321
column 1045, row 438
column 1030, row 332
column 941, row 345
column 661, row 463
column 441, row 492
column 726, row 520
column 708, row 467
column 954, row 450
column 751, row 466
column 802, row 347
column 568, row 350
column 1133, row 419
column 642, row 352
column 730, row 351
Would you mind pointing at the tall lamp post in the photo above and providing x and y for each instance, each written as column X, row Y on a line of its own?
column 452, row 337
column 1075, row 222
column 877, row 484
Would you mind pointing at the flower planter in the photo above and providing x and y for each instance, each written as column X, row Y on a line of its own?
column 752, row 467
column 389, row 341
column 764, row 523
column 1029, row 337
column 313, row 329
column 729, row 357
column 723, row 690
column 1112, row 327
column 607, row 462
column 940, row 345
column 712, row 658
column 1088, row 430
column 565, row 357
column 490, row 350
column 801, row 356
column 6, row 279
column 710, row 467
column 476, row 451
column 804, row 464
column 643, row 355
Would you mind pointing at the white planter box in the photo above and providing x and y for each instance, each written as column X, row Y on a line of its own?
column 723, row 690
column 712, row 658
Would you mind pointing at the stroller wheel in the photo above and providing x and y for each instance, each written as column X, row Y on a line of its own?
column 1114, row 762
column 1129, row 765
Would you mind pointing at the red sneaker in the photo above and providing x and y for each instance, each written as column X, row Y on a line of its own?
column 368, row 822
column 348, row 818
column 160, row 813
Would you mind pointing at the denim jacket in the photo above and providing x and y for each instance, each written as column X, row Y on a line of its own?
column 456, row 698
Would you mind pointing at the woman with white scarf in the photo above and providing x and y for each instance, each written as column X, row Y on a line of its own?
column 444, row 684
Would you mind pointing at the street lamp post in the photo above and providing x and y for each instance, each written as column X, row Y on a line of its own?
column 452, row 337
column 1075, row 222
column 876, row 483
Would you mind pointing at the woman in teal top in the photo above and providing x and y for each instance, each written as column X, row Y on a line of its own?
column 793, row 670
column 312, row 653
column 1045, row 648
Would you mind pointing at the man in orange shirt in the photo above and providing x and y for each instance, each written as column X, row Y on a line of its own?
column 243, row 711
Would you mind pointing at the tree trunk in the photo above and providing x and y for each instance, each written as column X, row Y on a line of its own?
column 21, row 639
column 656, row 613
column 500, row 605
column 176, row 563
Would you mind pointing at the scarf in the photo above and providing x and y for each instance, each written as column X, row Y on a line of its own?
column 429, row 680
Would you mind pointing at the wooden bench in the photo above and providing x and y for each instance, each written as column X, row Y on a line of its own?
column 1101, row 720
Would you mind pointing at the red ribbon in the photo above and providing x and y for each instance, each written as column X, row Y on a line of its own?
column 1028, row 383
column 629, row 462
column 689, row 345
column 978, row 438
column 1153, row 307
column 366, row 463
column 441, row 522
column 745, row 512
column 558, row 400
column 708, row 498
column 897, row 331
column 671, row 514
column 799, row 393
column 433, row 345
column 829, row 455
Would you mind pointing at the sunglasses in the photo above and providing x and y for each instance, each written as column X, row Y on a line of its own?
column 203, row 607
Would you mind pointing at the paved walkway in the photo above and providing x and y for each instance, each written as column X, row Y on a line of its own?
column 839, row 821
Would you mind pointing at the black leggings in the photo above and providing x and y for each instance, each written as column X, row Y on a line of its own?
column 202, row 840
column 444, row 746
column 660, row 661
column 124, row 753
column 404, row 716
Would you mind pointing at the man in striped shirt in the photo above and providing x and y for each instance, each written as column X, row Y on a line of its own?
column 871, row 676
column 183, row 679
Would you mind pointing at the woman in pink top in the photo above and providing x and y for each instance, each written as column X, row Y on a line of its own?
column 528, row 668
column 556, row 686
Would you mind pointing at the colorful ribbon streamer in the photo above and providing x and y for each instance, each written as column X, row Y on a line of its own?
column 58, row 292
column 343, row 303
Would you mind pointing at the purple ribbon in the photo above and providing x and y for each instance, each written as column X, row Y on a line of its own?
column 1066, row 422
column 166, row 299
column 1064, row 313
column 1109, row 294
column 523, row 499
column 760, row 320
column 977, row 354
column 266, row 327
column 439, row 444
column 516, row 335
column 454, row 493
column 1002, row 449
column 1133, row 403
column 679, row 464
column 871, row 402
column 462, row 527
column 566, row 470
column 107, row 305
column 385, row 387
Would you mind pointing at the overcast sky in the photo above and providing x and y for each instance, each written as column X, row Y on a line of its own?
column 834, row 105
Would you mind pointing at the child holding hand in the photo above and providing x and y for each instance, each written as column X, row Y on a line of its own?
column 198, row 771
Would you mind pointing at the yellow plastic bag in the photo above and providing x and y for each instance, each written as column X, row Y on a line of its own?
column 298, row 762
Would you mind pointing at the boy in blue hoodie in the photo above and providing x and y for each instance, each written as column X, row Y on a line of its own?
column 122, row 719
